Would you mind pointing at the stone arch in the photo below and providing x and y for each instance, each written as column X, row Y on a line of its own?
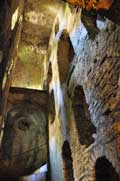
column 67, row 162
column 104, row 170
column 82, row 117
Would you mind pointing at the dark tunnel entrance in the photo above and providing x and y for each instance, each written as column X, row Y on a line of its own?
column 82, row 116
column 105, row 171
column 67, row 162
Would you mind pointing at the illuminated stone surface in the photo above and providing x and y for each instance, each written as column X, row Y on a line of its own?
column 37, row 24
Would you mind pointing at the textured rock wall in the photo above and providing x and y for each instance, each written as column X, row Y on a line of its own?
column 17, row 95
column 37, row 24
column 63, row 128
column 24, row 140
column 10, row 35
column 97, row 70
column 57, row 127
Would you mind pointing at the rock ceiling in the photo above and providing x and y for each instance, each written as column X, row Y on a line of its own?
column 37, row 24
column 39, row 17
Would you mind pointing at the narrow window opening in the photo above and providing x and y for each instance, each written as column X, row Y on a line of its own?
column 105, row 171
column 82, row 117
column 52, row 107
column 49, row 73
column 67, row 162
column 49, row 77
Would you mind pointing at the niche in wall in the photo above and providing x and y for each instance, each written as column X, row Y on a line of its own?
column 67, row 162
column 52, row 107
column 105, row 171
column 65, row 55
column 49, row 77
column 82, row 117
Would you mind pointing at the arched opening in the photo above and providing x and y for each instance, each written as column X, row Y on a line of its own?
column 105, row 171
column 67, row 162
column 52, row 107
column 65, row 55
column 82, row 117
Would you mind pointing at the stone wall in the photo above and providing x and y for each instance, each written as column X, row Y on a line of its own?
column 84, row 125
column 9, row 40
column 24, row 141
column 95, row 69
column 57, row 113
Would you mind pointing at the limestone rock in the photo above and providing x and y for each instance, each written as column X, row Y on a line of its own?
column 24, row 147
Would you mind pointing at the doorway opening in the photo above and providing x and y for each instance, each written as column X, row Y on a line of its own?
column 105, row 171
column 67, row 162
column 82, row 116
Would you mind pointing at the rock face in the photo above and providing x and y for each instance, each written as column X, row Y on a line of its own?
column 24, row 144
column 84, row 116
column 97, row 68
column 37, row 25
column 95, row 71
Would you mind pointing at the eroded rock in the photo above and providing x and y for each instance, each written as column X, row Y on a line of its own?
column 24, row 144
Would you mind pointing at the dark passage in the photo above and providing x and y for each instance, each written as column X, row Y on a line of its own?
column 82, row 117
column 67, row 162
column 52, row 107
column 105, row 170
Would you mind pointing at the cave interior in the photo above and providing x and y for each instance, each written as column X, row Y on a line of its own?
column 60, row 90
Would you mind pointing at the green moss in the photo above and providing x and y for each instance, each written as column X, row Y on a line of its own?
column 25, row 53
